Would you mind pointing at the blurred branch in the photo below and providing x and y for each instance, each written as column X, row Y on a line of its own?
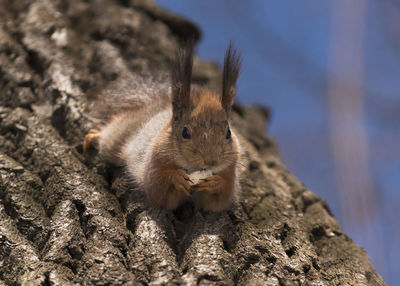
column 348, row 130
column 345, row 95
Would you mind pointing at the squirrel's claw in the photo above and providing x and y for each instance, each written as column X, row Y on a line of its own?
column 90, row 139
column 189, row 180
column 180, row 182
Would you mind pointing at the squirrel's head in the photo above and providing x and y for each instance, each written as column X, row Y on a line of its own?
column 200, row 122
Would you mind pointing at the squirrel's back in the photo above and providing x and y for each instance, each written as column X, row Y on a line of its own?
column 126, row 111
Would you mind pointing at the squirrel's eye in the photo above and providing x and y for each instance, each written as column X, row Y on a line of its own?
column 228, row 134
column 185, row 133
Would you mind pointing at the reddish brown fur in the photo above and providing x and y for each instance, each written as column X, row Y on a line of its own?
column 168, row 183
column 205, row 115
column 207, row 107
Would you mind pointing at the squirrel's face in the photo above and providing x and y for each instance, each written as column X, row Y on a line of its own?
column 200, row 123
column 203, row 135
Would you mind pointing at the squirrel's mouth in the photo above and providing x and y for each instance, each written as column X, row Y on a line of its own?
column 197, row 170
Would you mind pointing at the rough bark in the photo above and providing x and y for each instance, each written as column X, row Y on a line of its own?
column 66, row 219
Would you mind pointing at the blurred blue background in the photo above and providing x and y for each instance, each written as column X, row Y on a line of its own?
column 330, row 71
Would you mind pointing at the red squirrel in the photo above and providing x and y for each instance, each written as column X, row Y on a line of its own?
column 179, row 143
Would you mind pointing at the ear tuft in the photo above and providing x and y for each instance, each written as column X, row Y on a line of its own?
column 232, row 64
column 181, row 75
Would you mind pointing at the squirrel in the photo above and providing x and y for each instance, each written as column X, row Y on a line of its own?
column 180, row 143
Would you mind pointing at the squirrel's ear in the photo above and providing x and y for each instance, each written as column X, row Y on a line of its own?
column 230, row 74
column 181, row 79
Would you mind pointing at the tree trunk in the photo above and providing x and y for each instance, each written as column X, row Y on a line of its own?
column 66, row 219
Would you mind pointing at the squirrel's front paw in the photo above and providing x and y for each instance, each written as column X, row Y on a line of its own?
column 180, row 181
column 210, row 185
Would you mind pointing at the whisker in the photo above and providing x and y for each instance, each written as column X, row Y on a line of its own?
column 236, row 162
